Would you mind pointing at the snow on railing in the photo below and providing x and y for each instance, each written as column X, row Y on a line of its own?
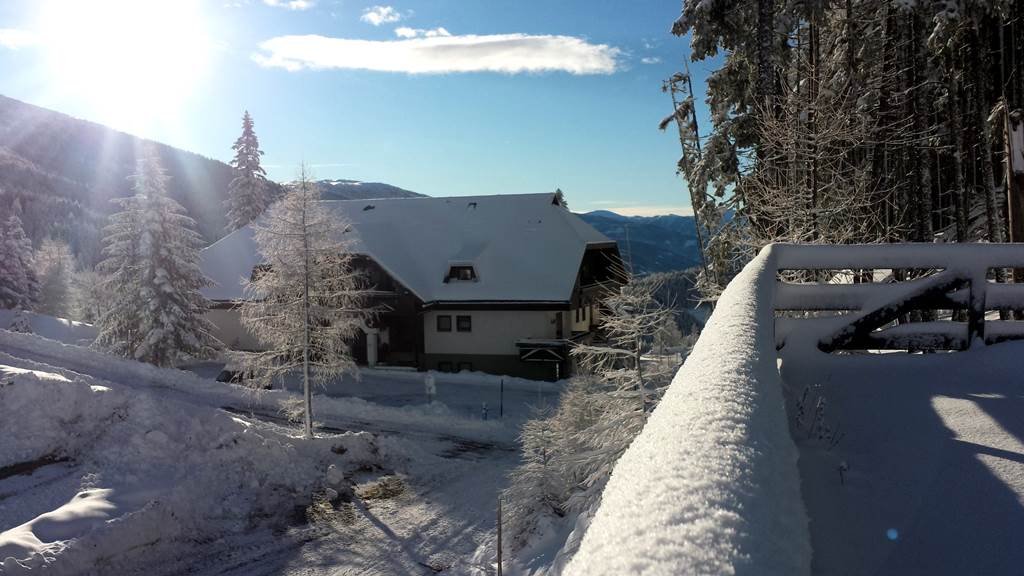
column 950, row 277
column 711, row 484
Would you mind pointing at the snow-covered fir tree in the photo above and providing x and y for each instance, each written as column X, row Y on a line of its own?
column 569, row 454
column 248, row 192
column 19, row 288
column 304, row 303
column 55, row 270
column 152, row 265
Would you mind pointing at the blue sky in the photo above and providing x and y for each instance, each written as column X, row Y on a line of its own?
column 447, row 97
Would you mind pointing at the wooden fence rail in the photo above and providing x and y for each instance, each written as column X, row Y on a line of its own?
column 952, row 279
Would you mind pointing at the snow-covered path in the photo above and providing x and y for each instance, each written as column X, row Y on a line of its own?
column 933, row 447
column 449, row 468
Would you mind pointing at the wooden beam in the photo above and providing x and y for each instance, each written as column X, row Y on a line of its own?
column 860, row 329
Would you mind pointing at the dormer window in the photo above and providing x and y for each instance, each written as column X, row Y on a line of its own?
column 460, row 273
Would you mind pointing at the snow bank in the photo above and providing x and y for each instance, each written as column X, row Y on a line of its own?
column 156, row 473
column 711, row 484
column 59, row 329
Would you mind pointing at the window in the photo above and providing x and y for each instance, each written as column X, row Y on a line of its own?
column 465, row 366
column 444, row 366
column 464, row 323
column 461, row 273
column 444, row 323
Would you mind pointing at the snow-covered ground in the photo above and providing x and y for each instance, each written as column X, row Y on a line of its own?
column 60, row 329
column 111, row 466
column 933, row 451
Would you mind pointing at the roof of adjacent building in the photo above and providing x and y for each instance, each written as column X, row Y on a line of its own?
column 523, row 247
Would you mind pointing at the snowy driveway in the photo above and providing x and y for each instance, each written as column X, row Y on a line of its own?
column 932, row 455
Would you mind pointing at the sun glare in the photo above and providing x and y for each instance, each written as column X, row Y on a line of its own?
column 134, row 62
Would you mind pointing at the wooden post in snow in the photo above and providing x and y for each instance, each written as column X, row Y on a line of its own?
column 499, row 535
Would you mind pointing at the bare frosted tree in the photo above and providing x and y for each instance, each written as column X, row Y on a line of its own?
column 630, row 318
column 569, row 454
column 304, row 303
column 91, row 298
column 55, row 267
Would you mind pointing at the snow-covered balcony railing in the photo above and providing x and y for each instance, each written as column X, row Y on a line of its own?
column 945, row 278
column 711, row 485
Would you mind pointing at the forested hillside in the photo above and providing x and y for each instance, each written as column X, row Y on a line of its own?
column 60, row 173
column 650, row 243
column 356, row 190
column 854, row 121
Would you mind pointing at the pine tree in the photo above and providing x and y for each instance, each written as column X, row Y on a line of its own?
column 19, row 288
column 304, row 303
column 248, row 192
column 560, row 196
column 153, row 263
column 120, row 323
column 55, row 268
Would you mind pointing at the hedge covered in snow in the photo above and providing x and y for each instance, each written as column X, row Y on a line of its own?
column 711, row 484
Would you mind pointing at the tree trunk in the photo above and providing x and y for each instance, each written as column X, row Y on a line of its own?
column 307, row 392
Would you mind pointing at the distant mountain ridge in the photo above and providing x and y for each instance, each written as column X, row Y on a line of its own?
column 356, row 190
column 650, row 243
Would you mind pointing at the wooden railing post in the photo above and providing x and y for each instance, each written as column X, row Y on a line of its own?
column 976, row 309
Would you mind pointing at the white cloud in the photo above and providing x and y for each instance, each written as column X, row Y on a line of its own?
column 507, row 53
column 378, row 15
column 291, row 4
column 406, row 32
column 14, row 38
column 651, row 60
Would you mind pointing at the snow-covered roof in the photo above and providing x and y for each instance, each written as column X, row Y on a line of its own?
column 523, row 247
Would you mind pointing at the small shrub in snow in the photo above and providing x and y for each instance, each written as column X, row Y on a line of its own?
column 815, row 425
column 21, row 323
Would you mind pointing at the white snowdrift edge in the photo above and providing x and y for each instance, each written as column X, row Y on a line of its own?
column 711, row 485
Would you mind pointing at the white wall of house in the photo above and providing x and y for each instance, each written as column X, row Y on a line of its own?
column 493, row 331
column 581, row 318
column 229, row 329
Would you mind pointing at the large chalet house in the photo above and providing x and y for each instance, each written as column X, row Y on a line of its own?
column 499, row 284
